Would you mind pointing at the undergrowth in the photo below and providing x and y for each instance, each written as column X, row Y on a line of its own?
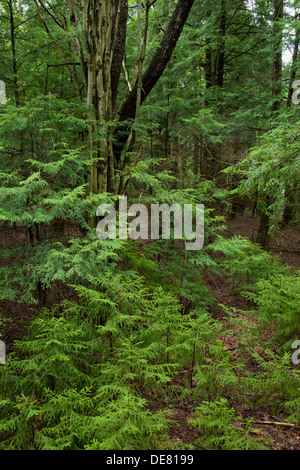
column 83, row 376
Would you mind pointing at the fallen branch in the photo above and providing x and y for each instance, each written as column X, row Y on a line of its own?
column 277, row 423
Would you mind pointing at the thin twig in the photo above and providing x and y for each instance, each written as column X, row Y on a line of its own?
column 276, row 423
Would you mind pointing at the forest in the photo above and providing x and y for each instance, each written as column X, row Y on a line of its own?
column 117, row 333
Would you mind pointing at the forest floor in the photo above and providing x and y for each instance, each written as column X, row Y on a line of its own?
column 272, row 429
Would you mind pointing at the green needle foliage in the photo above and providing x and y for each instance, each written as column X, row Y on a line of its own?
column 223, row 429
column 244, row 262
column 278, row 300
column 271, row 171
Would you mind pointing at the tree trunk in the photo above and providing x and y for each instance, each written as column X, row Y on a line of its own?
column 152, row 74
column 208, row 62
column 14, row 52
column 220, row 62
column 294, row 67
column 101, row 56
column 264, row 236
column 291, row 192
column 97, row 21
column 277, row 64
column 196, row 156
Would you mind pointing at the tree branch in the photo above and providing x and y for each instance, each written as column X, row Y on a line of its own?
column 118, row 46
column 153, row 72
column 50, row 35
